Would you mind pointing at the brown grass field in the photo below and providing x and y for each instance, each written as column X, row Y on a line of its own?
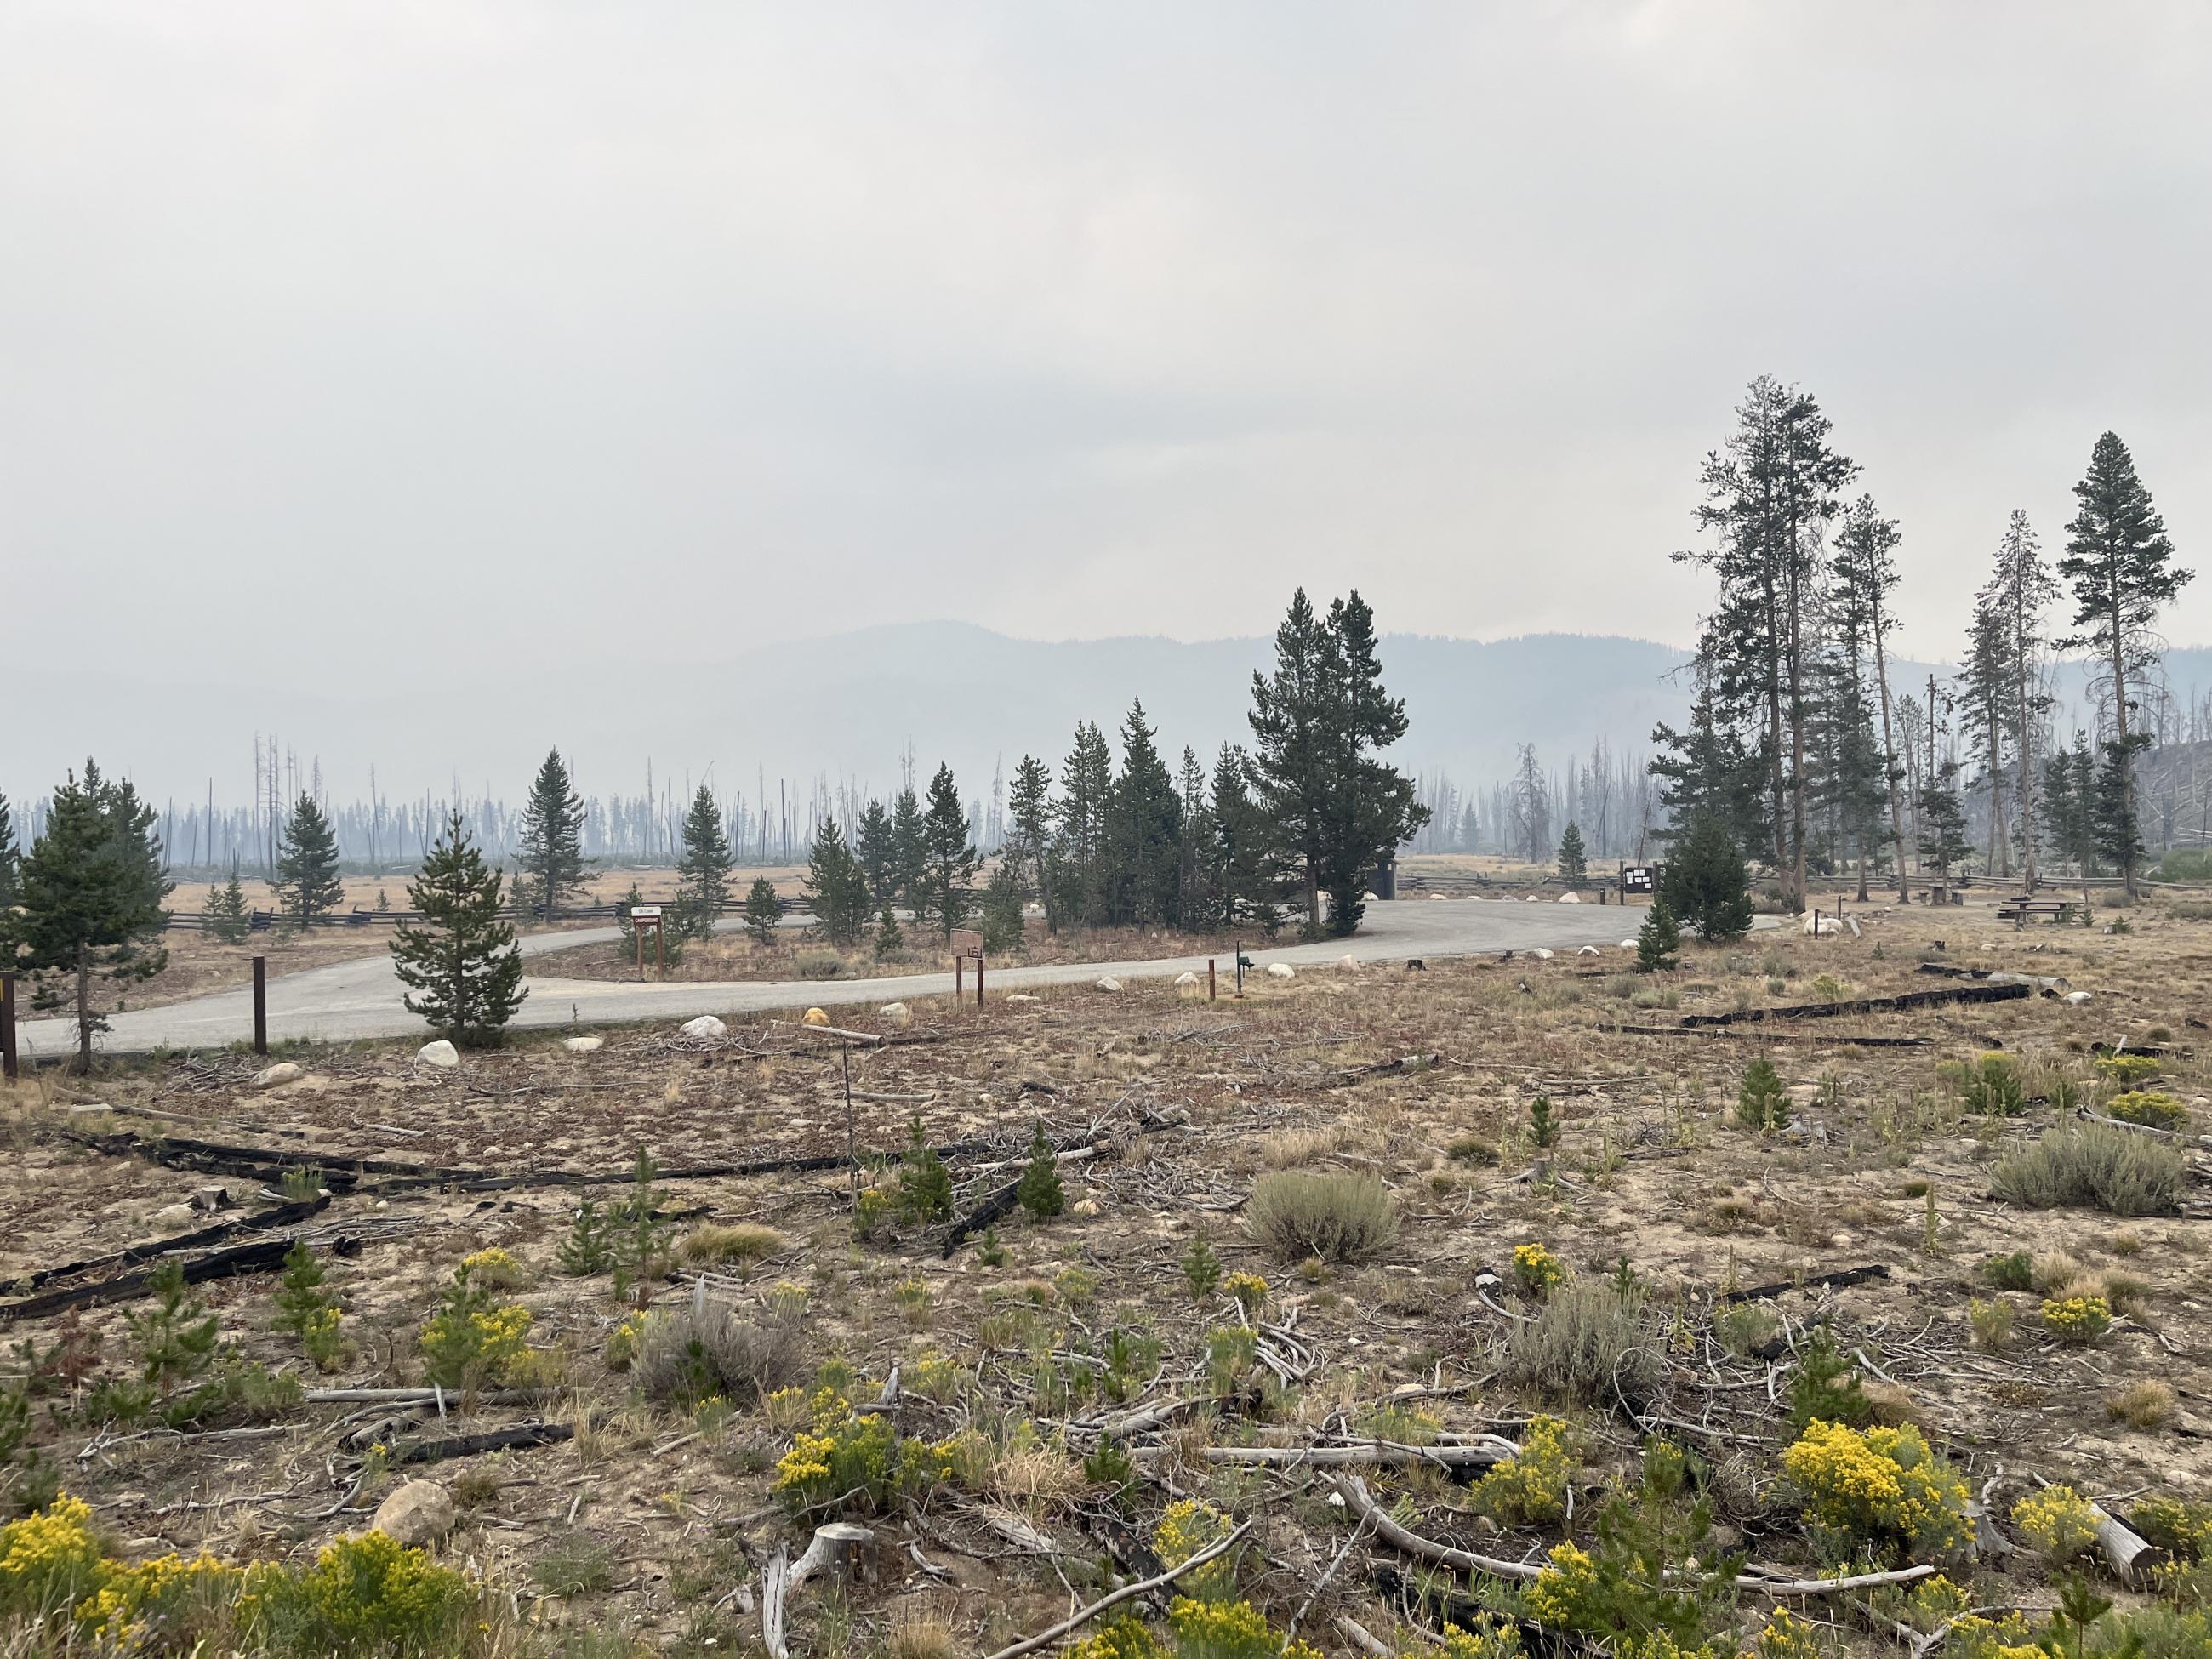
column 650, row 1524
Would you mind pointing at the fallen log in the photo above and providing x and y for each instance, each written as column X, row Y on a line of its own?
column 1484, row 1452
column 1832, row 1281
column 1406, row 1066
column 522, row 1438
column 262, row 1257
column 1824, row 1038
column 1865, row 1005
column 2133, row 1557
column 282, row 1215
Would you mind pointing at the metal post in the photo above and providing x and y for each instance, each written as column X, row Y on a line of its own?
column 1238, row 946
column 8, row 1067
column 979, row 982
column 261, row 1006
column 1209, row 979
column 959, row 978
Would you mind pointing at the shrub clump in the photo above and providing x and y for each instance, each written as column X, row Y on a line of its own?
column 1531, row 1487
column 1337, row 1217
column 469, row 1342
column 2058, row 1523
column 687, row 1356
column 1588, row 1343
column 2093, row 1166
column 1761, row 1103
column 2153, row 1108
column 1990, row 1087
column 1537, row 1270
column 1882, row 1490
column 2078, row 1322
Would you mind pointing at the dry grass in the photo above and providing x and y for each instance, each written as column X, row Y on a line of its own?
column 715, row 1243
column 2146, row 1405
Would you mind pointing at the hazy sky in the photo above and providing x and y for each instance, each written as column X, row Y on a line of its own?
column 349, row 339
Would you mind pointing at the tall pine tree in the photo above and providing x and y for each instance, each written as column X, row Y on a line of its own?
column 1144, row 825
column 2120, row 562
column 702, row 874
column 2020, row 591
column 10, row 856
column 306, row 883
column 88, row 901
column 1029, row 825
column 549, row 853
column 1866, row 570
column 1079, row 856
column 461, row 966
column 838, row 887
column 948, row 859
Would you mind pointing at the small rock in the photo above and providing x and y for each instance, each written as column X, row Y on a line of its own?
column 1020, row 997
column 1437, row 898
column 1281, row 970
column 1349, row 962
column 211, row 1198
column 583, row 1045
column 1571, row 898
column 1533, row 899
column 708, row 1026
column 1185, row 980
column 282, row 1072
column 894, row 1013
column 1628, row 945
column 811, row 1016
column 1084, row 1209
column 174, row 1217
column 440, row 1052
column 2077, row 998
column 1109, row 983
column 1541, row 954
column 417, row 1512
column 1588, row 950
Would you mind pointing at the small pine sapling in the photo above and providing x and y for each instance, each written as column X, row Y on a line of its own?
column 925, row 1189
column 1201, row 1268
column 588, row 1248
column 640, row 1237
column 1659, row 941
column 1761, row 1103
column 1040, row 1192
column 890, row 941
column 1543, row 1128
column 176, row 1336
column 307, row 1309
column 1827, row 1387
column 762, row 910
column 990, row 1253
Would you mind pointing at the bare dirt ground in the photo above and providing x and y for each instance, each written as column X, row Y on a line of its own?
column 800, row 954
column 652, row 1521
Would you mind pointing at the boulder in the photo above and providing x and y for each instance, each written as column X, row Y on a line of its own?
column 706, row 1025
column 440, row 1052
column 1438, row 898
column 1185, row 980
column 1349, row 962
column 583, row 1045
column 1541, row 954
column 282, row 1072
column 2078, row 998
column 175, row 1218
column 1628, row 945
column 1571, row 898
column 1109, row 983
column 1533, row 899
column 1816, row 925
column 414, row 1513
column 1281, row 970
column 896, row 1014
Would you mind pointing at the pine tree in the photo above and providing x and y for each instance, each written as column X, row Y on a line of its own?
column 906, row 837
column 10, row 857
column 176, row 1336
column 890, row 941
column 1659, row 941
column 1574, row 867
column 948, row 859
column 702, row 874
column 1078, row 876
column 1003, row 926
column 1040, row 1192
column 925, row 1189
column 1028, row 816
column 876, row 847
column 1198, row 902
column 1866, row 568
column 837, row 885
column 1985, row 696
column 307, row 883
column 1706, row 884
column 226, row 915
column 763, row 909
column 1247, row 874
column 1943, row 843
column 2020, row 589
column 88, row 901
column 1319, row 723
column 461, row 966
column 550, row 853
column 2120, row 562
column 1144, row 826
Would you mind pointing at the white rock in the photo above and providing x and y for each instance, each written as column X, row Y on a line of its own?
column 1281, row 970
column 894, row 1013
column 414, row 1513
column 440, row 1052
column 283, row 1072
column 1436, row 898
column 1541, row 954
column 174, row 1217
column 1533, row 899
column 1022, row 997
column 583, row 1045
column 1349, row 962
column 2077, row 997
column 1571, row 898
column 1816, row 925
column 1109, row 983
column 1588, row 950
column 705, row 1026
column 1185, row 980
column 1628, row 945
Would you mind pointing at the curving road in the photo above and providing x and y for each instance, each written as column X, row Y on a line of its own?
column 362, row 999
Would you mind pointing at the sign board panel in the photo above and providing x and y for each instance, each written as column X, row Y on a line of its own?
column 645, row 912
column 1637, row 878
column 966, row 942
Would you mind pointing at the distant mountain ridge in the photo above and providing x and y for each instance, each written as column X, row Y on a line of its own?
column 849, row 706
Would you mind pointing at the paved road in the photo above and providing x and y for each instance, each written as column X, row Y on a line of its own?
column 362, row 999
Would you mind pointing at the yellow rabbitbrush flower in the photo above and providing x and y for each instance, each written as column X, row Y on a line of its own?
column 2078, row 1320
column 1882, row 1488
column 2059, row 1524
column 1536, row 1270
column 1532, row 1485
column 50, row 1561
column 1229, row 1629
column 1125, row 1638
column 165, row 1589
column 1188, row 1527
column 1788, row 1636
column 1485, row 1638
column 1564, row 1594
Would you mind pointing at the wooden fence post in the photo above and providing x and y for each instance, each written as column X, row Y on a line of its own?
column 261, row 1006
column 8, row 1026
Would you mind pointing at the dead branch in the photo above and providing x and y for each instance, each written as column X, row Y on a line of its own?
column 1865, row 1005
column 1077, row 1620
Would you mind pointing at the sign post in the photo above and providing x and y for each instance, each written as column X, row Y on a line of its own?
column 261, row 1006
column 967, row 946
column 7, row 1064
column 642, row 918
